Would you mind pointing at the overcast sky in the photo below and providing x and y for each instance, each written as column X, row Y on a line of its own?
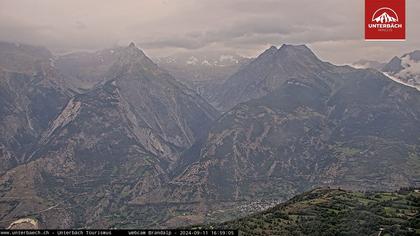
column 332, row 28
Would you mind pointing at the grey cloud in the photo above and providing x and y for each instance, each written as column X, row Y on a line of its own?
column 80, row 25
column 181, row 42
column 162, row 27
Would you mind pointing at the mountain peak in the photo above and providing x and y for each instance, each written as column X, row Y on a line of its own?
column 133, row 52
column 415, row 55
column 285, row 45
column 133, row 57
column 289, row 51
column 393, row 66
column 297, row 49
column 269, row 52
column 132, row 47
column 297, row 53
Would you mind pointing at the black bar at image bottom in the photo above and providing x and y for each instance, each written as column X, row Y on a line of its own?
column 142, row 232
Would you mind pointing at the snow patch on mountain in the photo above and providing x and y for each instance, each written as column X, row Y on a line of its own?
column 192, row 61
column 228, row 58
column 411, row 71
column 398, row 80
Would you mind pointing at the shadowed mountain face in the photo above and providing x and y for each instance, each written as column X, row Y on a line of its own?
column 268, row 72
column 96, row 149
column 321, row 125
column 162, row 109
column 31, row 95
column 23, row 58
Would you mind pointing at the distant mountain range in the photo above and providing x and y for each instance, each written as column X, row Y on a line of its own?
column 109, row 139
column 406, row 68
column 203, row 60
column 204, row 73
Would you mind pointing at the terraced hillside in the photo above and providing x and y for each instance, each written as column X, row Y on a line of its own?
column 337, row 212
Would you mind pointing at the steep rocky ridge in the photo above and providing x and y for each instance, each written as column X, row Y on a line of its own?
column 104, row 146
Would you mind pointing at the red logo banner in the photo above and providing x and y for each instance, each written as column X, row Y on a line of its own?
column 385, row 20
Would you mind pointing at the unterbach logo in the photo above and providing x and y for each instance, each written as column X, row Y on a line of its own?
column 385, row 18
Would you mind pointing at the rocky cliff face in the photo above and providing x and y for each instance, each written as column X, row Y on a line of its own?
column 89, row 160
column 95, row 150
column 157, row 101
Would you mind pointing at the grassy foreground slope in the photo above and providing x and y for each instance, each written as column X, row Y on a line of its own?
column 337, row 212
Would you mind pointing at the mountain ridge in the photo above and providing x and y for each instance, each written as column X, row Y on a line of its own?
column 266, row 73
